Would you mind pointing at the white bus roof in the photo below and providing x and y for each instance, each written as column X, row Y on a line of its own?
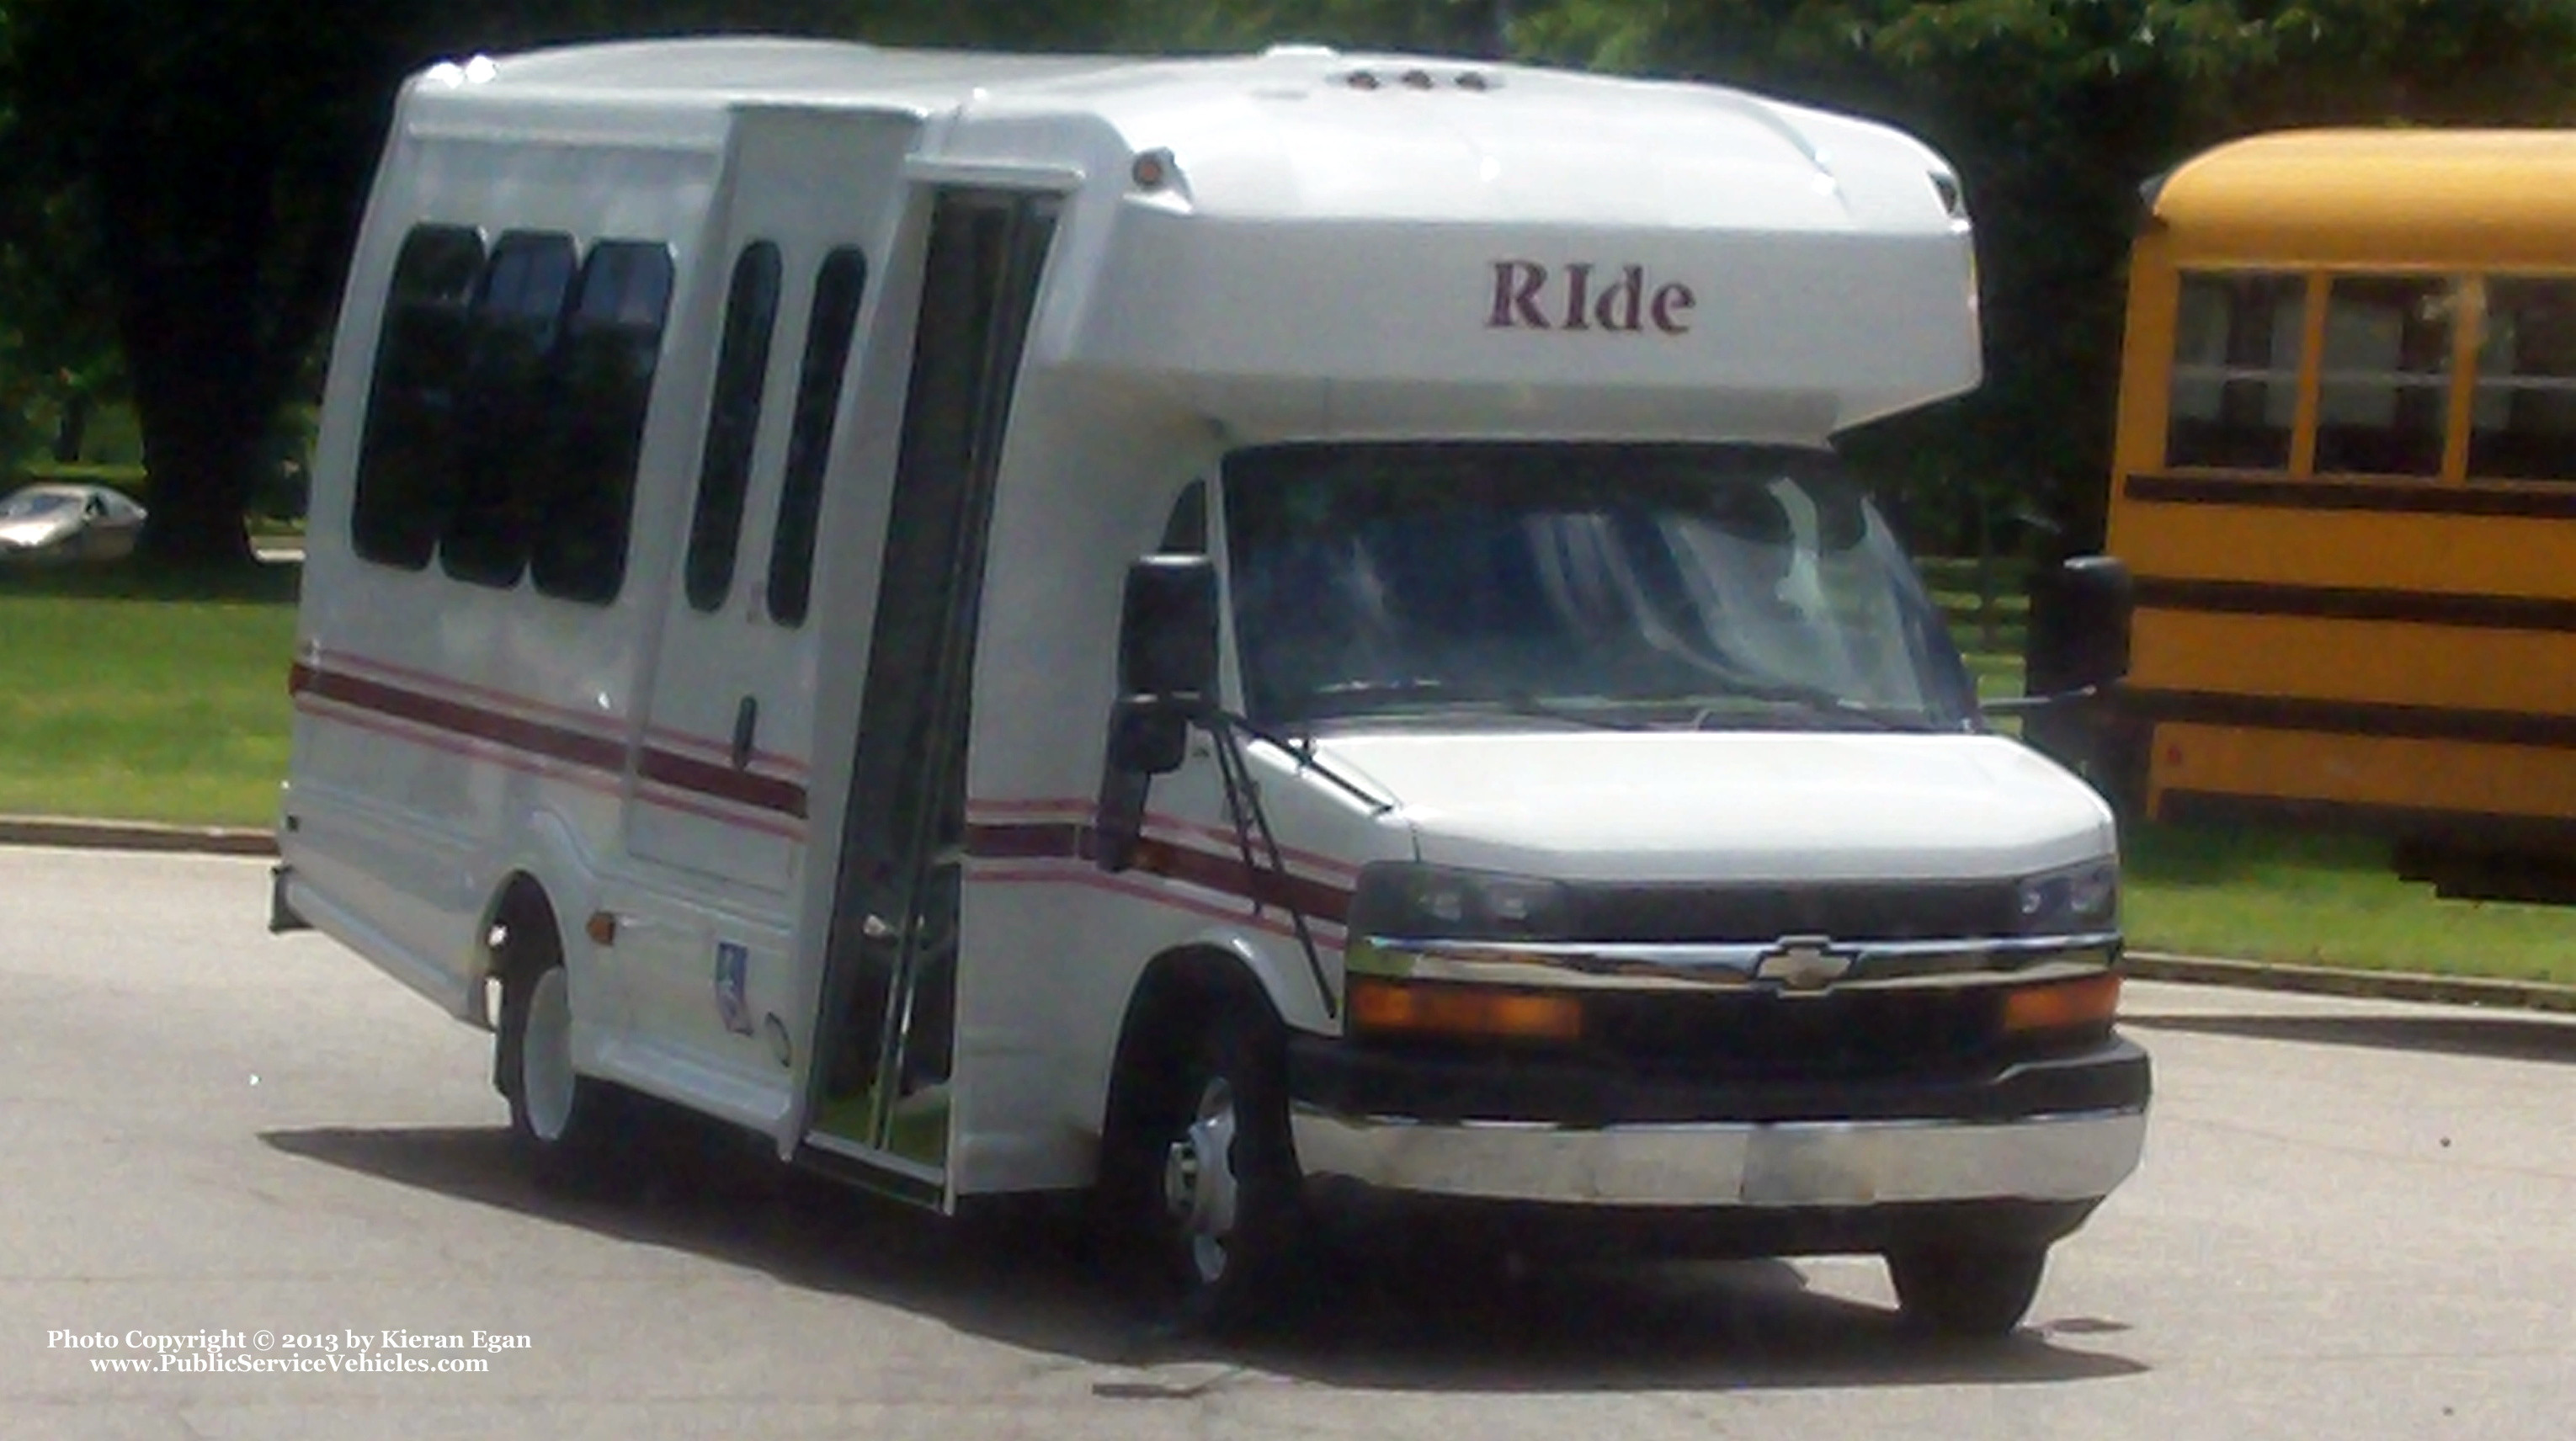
column 1521, row 137
column 1319, row 208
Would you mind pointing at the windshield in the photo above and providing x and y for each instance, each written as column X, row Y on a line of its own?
column 28, row 504
column 1702, row 586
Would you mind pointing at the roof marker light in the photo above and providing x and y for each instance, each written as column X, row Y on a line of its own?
column 1152, row 169
column 1417, row 79
column 1475, row 80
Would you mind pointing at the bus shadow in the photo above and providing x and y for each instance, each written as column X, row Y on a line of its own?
column 2500, row 1037
column 1374, row 1319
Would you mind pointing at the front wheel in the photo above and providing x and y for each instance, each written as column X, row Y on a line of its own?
column 1966, row 1290
column 1200, row 1177
column 569, row 1127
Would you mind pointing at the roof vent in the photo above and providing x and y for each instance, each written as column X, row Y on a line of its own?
column 1418, row 79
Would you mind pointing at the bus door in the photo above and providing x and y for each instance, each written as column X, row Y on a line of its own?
column 717, row 809
column 890, row 971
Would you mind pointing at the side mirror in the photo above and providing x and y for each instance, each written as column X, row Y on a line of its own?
column 2079, row 632
column 1167, row 658
column 1147, row 737
column 1167, row 630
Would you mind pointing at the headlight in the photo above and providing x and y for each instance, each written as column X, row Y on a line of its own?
column 1401, row 899
column 2070, row 900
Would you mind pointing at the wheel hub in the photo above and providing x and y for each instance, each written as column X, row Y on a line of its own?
column 1199, row 1185
column 545, row 1057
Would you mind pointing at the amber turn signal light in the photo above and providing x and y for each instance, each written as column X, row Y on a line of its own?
column 2062, row 1004
column 1403, row 1008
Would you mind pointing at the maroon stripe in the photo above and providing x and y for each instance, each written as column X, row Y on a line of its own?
column 554, row 742
column 1029, row 841
column 535, row 737
column 1322, row 901
column 706, row 778
column 1226, row 874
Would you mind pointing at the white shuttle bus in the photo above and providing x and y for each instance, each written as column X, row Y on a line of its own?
column 1223, row 633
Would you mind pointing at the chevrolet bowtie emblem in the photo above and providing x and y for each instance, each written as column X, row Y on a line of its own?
column 1803, row 963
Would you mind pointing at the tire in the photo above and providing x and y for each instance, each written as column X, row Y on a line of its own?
column 569, row 1129
column 1199, row 1179
column 1978, row 1291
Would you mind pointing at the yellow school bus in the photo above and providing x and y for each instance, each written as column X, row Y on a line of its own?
column 2345, row 484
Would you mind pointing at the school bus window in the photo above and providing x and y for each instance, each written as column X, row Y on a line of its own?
column 2384, row 381
column 611, row 346
column 504, row 418
column 733, row 424
column 838, row 286
column 404, row 457
column 2525, row 426
column 2236, row 370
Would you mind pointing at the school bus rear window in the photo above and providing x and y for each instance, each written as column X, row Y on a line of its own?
column 2384, row 384
column 2236, row 370
column 2524, row 425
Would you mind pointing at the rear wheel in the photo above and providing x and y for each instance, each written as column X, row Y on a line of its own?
column 569, row 1127
column 1199, row 1177
column 1979, row 1290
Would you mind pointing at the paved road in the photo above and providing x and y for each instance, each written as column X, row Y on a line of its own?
column 2354, row 1222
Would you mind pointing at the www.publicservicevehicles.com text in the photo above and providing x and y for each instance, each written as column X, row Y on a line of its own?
column 395, row 1351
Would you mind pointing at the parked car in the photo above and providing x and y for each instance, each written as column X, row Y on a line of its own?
column 67, row 522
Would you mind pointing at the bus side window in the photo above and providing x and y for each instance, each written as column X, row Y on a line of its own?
column 503, row 424
column 611, row 346
column 2526, row 402
column 733, row 424
column 406, row 456
column 829, row 329
column 2383, row 384
column 2235, row 387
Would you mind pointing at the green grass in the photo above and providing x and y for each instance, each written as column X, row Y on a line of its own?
column 2324, row 900
column 131, row 697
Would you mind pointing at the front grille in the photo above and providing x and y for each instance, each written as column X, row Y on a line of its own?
column 1755, row 913
column 1762, row 1035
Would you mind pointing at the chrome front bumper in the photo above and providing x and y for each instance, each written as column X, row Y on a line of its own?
column 2072, row 1157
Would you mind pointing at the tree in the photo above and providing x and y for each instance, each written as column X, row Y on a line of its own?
column 212, row 163
column 55, row 355
column 2055, row 112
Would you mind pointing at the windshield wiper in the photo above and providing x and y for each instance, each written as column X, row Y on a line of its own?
column 1446, row 695
column 1815, row 701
